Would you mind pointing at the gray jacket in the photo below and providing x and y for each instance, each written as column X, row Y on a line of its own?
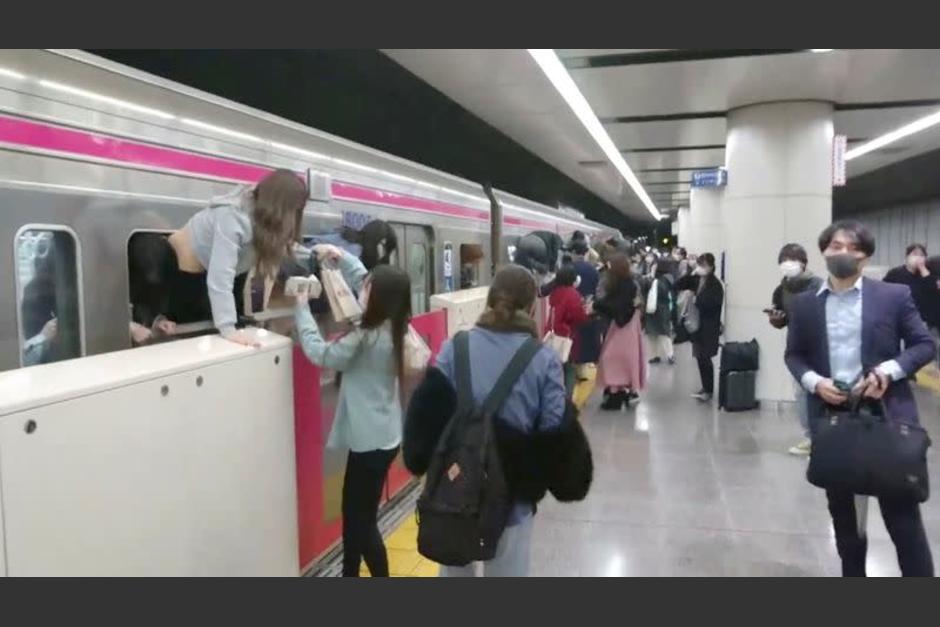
column 221, row 239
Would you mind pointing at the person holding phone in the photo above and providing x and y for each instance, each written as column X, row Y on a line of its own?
column 797, row 279
column 867, row 336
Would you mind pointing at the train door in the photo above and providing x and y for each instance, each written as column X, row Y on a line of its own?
column 414, row 256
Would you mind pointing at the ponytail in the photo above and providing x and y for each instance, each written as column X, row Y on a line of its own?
column 509, row 300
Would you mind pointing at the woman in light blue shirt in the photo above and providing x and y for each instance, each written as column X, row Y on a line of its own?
column 368, row 413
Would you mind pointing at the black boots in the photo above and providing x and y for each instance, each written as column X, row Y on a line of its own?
column 616, row 400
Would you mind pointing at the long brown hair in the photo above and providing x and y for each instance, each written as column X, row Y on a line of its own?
column 509, row 301
column 618, row 272
column 618, row 280
column 279, row 201
column 390, row 299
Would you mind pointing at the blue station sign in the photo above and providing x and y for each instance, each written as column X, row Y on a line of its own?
column 716, row 177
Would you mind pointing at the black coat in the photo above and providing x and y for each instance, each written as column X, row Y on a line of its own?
column 784, row 293
column 558, row 461
column 660, row 322
column 710, row 297
column 923, row 289
column 618, row 304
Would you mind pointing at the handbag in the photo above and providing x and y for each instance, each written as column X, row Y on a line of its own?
column 688, row 312
column 652, row 299
column 860, row 450
column 343, row 304
column 417, row 353
column 558, row 343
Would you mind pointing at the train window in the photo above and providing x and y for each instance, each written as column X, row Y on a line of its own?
column 418, row 271
column 150, row 267
column 470, row 257
column 48, row 295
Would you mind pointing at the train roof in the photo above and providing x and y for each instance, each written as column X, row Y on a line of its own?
column 143, row 106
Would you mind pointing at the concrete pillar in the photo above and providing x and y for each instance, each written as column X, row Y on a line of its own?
column 779, row 160
column 705, row 221
column 682, row 217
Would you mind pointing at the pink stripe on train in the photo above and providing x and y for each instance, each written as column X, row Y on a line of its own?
column 43, row 136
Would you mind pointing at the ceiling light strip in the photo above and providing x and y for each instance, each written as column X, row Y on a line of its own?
column 556, row 73
column 889, row 138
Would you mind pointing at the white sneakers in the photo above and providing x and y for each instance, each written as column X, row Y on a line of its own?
column 802, row 449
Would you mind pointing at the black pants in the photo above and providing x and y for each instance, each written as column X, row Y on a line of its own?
column 186, row 294
column 362, row 490
column 902, row 518
column 706, row 370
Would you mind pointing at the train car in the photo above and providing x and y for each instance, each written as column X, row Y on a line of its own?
column 93, row 153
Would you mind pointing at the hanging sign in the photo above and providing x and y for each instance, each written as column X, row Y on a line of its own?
column 716, row 177
column 839, row 143
column 448, row 267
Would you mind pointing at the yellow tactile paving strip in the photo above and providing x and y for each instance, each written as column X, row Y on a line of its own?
column 929, row 378
column 403, row 557
column 402, row 544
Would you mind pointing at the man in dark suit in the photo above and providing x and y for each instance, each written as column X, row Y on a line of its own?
column 849, row 334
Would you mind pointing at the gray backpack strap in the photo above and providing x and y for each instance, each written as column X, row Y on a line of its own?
column 517, row 365
column 462, row 373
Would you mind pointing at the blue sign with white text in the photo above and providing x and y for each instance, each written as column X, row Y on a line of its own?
column 717, row 177
column 356, row 220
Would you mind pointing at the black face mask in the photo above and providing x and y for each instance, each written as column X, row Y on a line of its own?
column 843, row 265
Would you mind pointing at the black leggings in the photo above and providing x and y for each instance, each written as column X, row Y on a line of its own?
column 707, row 371
column 362, row 491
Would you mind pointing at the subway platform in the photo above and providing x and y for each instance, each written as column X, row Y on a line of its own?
column 683, row 489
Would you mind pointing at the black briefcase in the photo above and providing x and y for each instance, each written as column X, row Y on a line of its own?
column 862, row 451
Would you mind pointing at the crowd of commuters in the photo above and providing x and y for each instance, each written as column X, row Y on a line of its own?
column 622, row 310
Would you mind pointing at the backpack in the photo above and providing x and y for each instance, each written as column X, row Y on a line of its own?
column 466, row 502
column 688, row 312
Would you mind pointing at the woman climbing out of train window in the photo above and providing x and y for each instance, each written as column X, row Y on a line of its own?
column 251, row 230
column 368, row 414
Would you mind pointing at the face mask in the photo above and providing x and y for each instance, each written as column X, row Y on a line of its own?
column 914, row 261
column 843, row 265
column 701, row 271
column 790, row 269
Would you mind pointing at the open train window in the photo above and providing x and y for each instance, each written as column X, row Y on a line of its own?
column 150, row 266
column 48, row 293
column 471, row 255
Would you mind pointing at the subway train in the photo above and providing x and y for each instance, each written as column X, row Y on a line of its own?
column 93, row 153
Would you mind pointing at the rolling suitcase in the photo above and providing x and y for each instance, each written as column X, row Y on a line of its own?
column 737, row 390
column 740, row 356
